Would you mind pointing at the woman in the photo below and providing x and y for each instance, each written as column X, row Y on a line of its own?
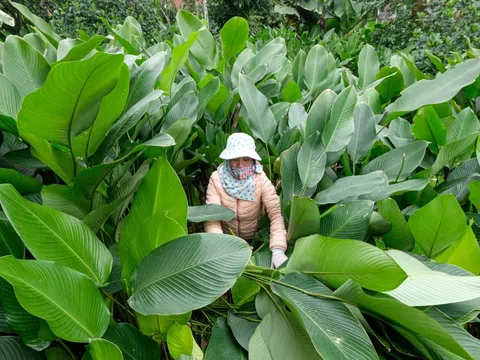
column 241, row 185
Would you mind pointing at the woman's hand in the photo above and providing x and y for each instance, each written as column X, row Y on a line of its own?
column 278, row 257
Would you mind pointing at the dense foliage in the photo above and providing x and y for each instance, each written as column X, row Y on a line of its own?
column 67, row 17
column 441, row 27
column 259, row 13
column 107, row 146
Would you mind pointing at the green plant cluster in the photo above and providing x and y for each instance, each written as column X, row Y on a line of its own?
column 259, row 13
column 441, row 27
column 67, row 17
column 107, row 148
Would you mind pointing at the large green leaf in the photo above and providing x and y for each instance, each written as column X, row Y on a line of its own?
column 238, row 65
column 153, row 232
column 56, row 159
column 258, row 348
column 24, row 65
column 133, row 344
column 234, row 35
column 464, row 252
column 441, row 89
column 365, row 133
column 438, row 224
column 50, row 291
column 177, row 60
column 261, row 119
column 10, row 242
column 24, row 184
column 268, row 60
column 399, row 163
column 474, row 196
column 368, row 66
column 400, row 132
column 6, row 19
column 372, row 98
column 283, row 335
column 311, row 161
column 242, row 329
column 12, row 348
column 100, row 349
column 319, row 257
column 334, row 330
column 391, row 83
column 340, row 127
column 320, row 112
column 400, row 315
column 52, row 235
column 144, row 78
column 57, row 353
column 22, row 322
column 187, row 273
column 80, row 50
column 58, row 115
column 298, row 69
column 291, row 92
column 462, row 336
column 348, row 221
column 466, row 123
column 205, row 48
column 297, row 117
column 111, row 107
column 118, row 37
column 159, row 202
column 159, row 324
column 351, row 187
column 304, row 218
column 181, row 342
column 399, row 237
column 315, row 67
column 425, row 287
column 436, row 61
column 66, row 199
column 186, row 108
column 244, row 290
column 428, row 126
column 447, row 155
column 222, row 345
column 207, row 95
column 209, row 212
column 10, row 99
column 385, row 191
column 39, row 23
column 291, row 182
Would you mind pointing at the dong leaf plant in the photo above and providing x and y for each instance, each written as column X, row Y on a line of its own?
column 107, row 146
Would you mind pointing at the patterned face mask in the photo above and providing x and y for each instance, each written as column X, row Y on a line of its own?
column 239, row 182
column 243, row 172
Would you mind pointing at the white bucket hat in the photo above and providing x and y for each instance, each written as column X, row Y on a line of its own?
column 240, row 145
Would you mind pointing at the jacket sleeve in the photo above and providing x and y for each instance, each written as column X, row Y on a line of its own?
column 213, row 198
column 271, row 201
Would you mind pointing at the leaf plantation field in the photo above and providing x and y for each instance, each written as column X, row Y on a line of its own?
column 107, row 145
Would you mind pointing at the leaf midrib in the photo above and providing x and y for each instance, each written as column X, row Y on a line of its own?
column 23, row 65
column 435, row 90
column 180, row 271
column 341, row 350
column 339, row 189
column 345, row 223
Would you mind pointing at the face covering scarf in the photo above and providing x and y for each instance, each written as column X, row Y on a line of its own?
column 239, row 182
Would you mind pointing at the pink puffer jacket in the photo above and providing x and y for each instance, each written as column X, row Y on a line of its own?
column 247, row 213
